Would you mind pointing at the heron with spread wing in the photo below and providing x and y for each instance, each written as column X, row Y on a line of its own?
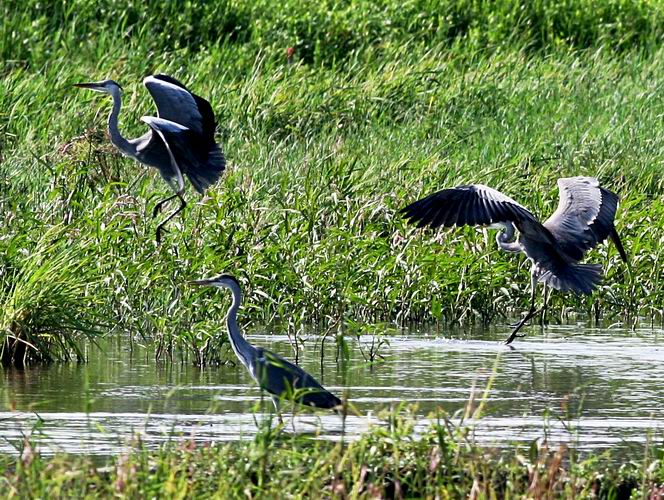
column 274, row 374
column 180, row 140
column 584, row 218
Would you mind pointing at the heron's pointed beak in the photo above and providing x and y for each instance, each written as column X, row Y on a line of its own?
column 91, row 86
column 207, row 282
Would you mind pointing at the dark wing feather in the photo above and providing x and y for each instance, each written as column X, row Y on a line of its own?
column 174, row 102
column 201, row 165
column 208, row 168
column 204, row 108
column 198, row 155
column 282, row 378
column 584, row 217
column 474, row 204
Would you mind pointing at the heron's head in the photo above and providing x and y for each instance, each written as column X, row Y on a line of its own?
column 105, row 86
column 221, row 281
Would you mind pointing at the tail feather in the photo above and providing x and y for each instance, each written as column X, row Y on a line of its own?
column 208, row 171
column 320, row 399
column 577, row 278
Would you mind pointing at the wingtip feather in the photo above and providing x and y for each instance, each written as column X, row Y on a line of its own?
column 615, row 237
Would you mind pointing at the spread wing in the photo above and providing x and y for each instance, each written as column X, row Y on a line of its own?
column 284, row 379
column 198, row 155
column 473, row 204
column 584, row 217
column 174, row 102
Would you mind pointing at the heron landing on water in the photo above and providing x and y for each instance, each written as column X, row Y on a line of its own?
column 584, row 218
column 180, row 140
column 272, row 373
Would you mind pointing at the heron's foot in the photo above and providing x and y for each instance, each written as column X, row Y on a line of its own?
column 520, row 323
column 513, row 336
column 515, row 331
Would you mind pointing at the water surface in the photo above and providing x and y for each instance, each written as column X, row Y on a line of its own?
column 592, row 388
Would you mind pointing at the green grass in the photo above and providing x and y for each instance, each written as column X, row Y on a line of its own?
column 378, row 106
column 43, row 296
column 388, row 462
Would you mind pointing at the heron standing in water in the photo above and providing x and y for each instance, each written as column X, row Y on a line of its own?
column 584, row 218
column 180, row 140
column 272, row 373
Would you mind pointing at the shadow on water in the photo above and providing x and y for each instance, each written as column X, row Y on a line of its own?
column 593, row 388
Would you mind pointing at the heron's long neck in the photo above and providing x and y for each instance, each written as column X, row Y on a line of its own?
column 243, row 349
column 505, row 239
column 116, row 137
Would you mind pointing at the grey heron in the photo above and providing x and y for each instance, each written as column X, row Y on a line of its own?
column 180, row 140
column 279, row 377
column 584, row 218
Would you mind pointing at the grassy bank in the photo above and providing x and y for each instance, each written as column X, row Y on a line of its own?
column 376, row 107
column 386, row 462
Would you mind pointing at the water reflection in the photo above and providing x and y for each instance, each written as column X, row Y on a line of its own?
column 605, row 383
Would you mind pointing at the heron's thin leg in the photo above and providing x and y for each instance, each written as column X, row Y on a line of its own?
column 180, row 181
column 545, row 305
column 161, row 225
column 157, row 208
column 531, row 312
column 277, row 405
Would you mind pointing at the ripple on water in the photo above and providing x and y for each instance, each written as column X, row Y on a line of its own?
column 603, row 384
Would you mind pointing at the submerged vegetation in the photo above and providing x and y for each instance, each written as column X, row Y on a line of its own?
column 386, row 462
column 332, row 117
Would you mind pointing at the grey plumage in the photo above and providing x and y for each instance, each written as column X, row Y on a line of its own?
column 180, row 140
column 281, row 378
column 584, row 218
column 274, row 374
